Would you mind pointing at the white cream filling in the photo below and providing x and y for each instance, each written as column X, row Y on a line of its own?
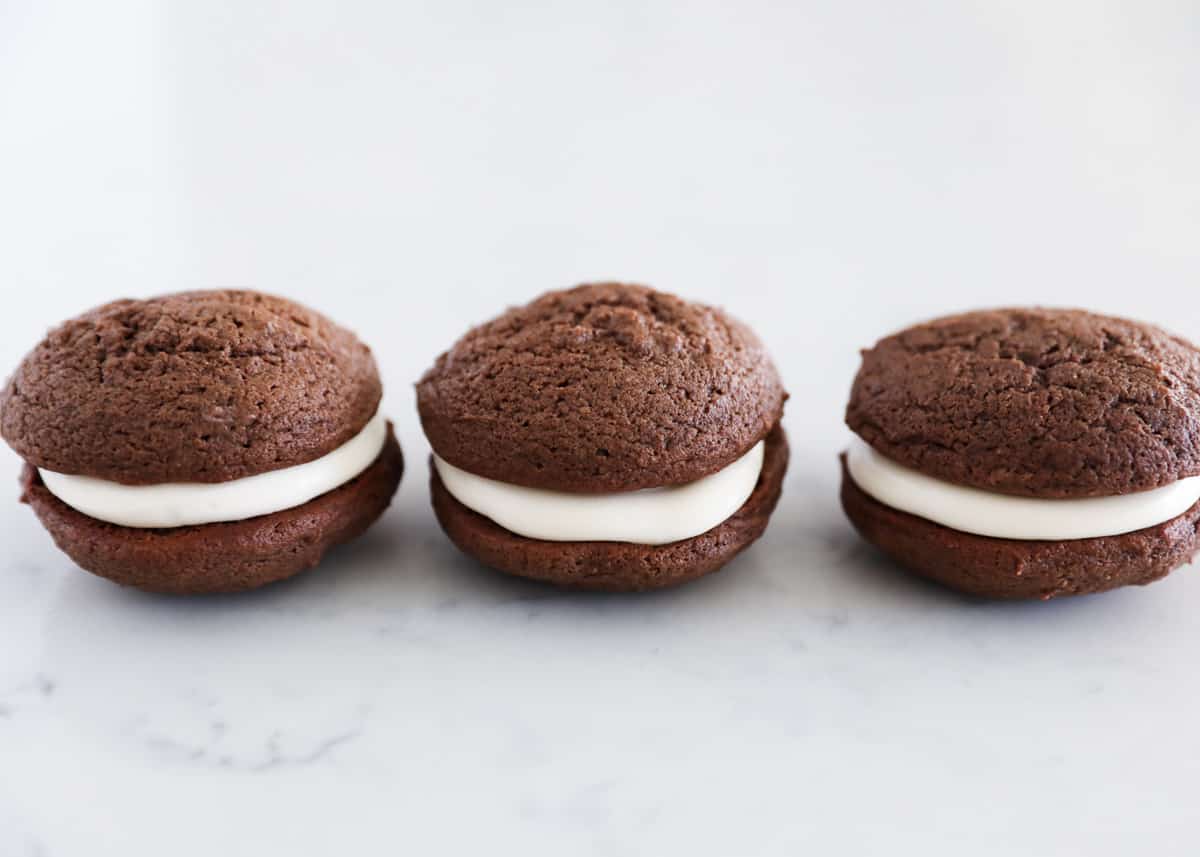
column 652, row 516
column 984, row 513
column 182, row 504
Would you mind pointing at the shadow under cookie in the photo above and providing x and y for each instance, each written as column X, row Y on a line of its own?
column 223, row 557
column 616, row 566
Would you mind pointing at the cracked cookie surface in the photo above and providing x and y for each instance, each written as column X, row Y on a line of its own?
column 1034, row 402
column 604, row 387
column 204, row 386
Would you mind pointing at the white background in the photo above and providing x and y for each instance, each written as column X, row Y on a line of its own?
column 827, row 171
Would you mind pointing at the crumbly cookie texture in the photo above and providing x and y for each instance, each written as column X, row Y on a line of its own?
column 604, row 387
column 1034, row 402
column 194, row 387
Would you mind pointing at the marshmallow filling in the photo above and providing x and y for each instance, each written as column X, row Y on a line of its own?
column 183, row 504
column 985, row 513
column 651, row 516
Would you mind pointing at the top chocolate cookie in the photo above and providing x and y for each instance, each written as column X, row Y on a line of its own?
column 194, row 387
column 604, row 387
column 1034, row 402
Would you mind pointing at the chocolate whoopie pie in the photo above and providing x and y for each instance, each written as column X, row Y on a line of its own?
column 605, row 437
column 1028, row 453
column 201, row 442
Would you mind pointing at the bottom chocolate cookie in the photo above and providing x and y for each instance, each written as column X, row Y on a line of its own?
column 225, row 557
column 616, row 566
column 1016, row 569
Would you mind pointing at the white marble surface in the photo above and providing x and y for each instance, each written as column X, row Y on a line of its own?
column 829, row 171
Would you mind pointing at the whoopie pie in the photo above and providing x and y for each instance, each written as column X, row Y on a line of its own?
column 1028, row 453
column 207, row 441
column 606, row 437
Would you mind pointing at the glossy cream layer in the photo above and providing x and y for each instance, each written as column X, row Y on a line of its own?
column 984, row 513
column 653, row 516
column 180, row 504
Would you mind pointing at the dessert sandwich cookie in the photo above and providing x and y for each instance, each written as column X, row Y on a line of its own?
column 201, row 442
column 605, row 437
column 1028, row 453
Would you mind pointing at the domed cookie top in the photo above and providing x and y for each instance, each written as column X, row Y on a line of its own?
column 1034, row 402
column 193, row 387
column 601, row 388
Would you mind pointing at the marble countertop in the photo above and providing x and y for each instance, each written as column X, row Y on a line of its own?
column 808, row 695
column 829, row 172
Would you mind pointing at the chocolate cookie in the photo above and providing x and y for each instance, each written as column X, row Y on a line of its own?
column 583, row 400
column 223, row 557
column 1035, row 402
column 192, row 387
column 1028, row 453
column 616, row 566
column 1014, row 568
column 601, row 388
column 146, row 424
